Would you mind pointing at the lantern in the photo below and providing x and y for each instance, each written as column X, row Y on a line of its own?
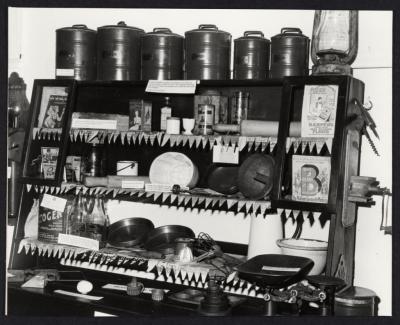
column 334, row 41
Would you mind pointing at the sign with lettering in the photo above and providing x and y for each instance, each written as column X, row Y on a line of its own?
column 310, row 178
column 318, row 115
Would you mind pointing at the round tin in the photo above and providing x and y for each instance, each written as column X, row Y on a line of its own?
column 127, row 168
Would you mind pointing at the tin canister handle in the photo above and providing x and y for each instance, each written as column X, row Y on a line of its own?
column 285, row 30
column 208, row 26
column 162, row 29
column 121, row 23
column 253, row 32
column 80, row 26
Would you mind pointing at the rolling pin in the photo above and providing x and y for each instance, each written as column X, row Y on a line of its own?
column 255, row 128
column 116, row 181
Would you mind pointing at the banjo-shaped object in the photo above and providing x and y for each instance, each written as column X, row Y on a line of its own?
column 255, row 177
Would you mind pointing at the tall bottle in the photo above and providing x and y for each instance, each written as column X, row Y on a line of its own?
column 97, row 221
column 166, row 111
column 77, row 217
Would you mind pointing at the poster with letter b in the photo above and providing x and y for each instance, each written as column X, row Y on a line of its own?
column 310, row 178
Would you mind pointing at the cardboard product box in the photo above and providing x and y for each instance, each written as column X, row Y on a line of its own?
column 140, row 115
column 81, row 120
column 51, row 222
column 74, row 168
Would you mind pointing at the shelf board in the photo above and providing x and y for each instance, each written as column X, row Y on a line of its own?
column 207, row 202
column 162, row 139
column 195, row 275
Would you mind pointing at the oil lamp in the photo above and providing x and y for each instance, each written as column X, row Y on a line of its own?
column 334, row 41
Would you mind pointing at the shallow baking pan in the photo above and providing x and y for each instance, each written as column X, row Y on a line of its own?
column 129, row 232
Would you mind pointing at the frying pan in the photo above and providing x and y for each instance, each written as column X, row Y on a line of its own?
column 275, row 270
column 255, row 178
column 129, row 232
column 162, row 239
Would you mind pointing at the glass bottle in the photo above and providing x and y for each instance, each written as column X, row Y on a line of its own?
column 240, row 107
column 77, row 217
column 97, row 221
column 166, row 111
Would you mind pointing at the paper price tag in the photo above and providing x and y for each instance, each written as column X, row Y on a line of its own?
column 225, row 154
column 86, row 123
column 65, row 72
column 172, row 86
column 132, row 184
column 78, row 241
column 53, row 203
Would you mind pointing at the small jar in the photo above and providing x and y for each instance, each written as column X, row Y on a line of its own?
column 173, row 125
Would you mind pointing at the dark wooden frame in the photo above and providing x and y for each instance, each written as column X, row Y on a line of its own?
column 34, row 113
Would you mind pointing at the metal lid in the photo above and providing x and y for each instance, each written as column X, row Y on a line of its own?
column 208, row 28
column 162, row 31
column 77, row 27
column 290, row 32
column 210, row 92
column 173, row 118
column 121, row 25
column 253, row 35
column 355, row 296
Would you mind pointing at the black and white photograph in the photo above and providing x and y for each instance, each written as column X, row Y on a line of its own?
column 290, row 216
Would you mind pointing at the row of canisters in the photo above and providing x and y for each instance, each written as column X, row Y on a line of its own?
column 121, row 52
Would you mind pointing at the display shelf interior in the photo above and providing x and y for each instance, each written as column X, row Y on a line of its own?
column 298, row 145
column 194, row 275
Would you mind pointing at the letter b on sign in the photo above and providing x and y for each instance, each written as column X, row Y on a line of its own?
column 310, row 184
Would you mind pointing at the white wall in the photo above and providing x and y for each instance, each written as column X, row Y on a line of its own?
column 32, row 33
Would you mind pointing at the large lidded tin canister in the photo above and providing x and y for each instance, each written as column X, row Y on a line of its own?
column 118, row 52
column 289, row 53
column 76, row 53
column 161, row 55
column 356, row 301
column 251, row 56
column 207, row 53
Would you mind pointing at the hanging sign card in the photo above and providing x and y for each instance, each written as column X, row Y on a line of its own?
column 171, row 86
column 310, row 178
column 225, row 154
column 318, row 115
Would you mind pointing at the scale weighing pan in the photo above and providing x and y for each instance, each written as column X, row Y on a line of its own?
column 275, row 270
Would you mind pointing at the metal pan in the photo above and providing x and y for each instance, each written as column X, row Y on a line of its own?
column 275, row 270
column 129, row 232
column 162, row 239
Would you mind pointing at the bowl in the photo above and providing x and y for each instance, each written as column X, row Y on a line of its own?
column 313, row 249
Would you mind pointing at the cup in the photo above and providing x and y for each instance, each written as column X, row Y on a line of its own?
column 188, row 125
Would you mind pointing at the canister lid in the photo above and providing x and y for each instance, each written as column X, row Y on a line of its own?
column 77, row 27
column 290, row 32
column 121, row 25
column 208, row 28
column 162, row 31
column 356, row 296
column 253, row 35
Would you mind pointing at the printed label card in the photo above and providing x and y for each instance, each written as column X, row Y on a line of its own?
column 318, row 115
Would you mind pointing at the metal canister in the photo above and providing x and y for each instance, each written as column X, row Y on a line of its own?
column 289, row 53
column 356, row 301
column 76, row 53
column 207, row 53
column 205, row 119
column 161, row 55
column 251, row 56
column 118, row 52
